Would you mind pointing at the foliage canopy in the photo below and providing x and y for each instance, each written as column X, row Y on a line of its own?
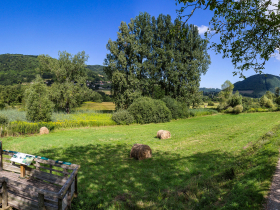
column 249, row 30
column 146, row 58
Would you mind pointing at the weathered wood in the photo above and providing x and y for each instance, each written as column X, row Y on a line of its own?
column 8, row 153
column 25, row 203
column 22, row 171
column 51, row 169
column 68, row 183
column 41, row 203
column 30, row 194
column 24, row 187
column 52, row 178
column 59, row 203
column 53, row 163
column 4, row 195
column 1, row 157
column 76, row 186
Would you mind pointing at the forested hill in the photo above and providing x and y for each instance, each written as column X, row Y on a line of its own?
column 18, row 68
column 256, row 85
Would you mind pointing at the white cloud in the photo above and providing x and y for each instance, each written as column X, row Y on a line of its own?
column 202, row 29
column 276, row 55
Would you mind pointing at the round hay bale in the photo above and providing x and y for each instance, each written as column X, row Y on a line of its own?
column 140, row 152
column 164, row 135
column 159, row 133
column 44, row 130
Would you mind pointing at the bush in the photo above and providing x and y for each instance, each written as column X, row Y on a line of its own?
column 183, row 110
column 3, row 120
column 2, row 105
column 269, row 104
column 123, row 117
column 172, row 105
column 148, row 110
column 238, row 109
column 235, row 100
column 38, row 105
column 211, row 103
column 229, row 110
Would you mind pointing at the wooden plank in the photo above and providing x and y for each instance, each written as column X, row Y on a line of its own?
column 30, row 194
column 41, row 204
column 68, row 183
column 60, row 204
column 52, row 178
column 1, row 157
column 25, row 203
column 26, row 187
column 76, row 186
column 51, row 169
column 4, row 195
column 53, row 163
column 8, row 153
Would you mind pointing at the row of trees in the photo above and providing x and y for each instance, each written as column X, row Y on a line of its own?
column 146, row 60
column 68, row 90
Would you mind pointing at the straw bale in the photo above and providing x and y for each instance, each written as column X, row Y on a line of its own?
column 159, row 133
column 140, row 152
column 163, row 134
column 44, row 130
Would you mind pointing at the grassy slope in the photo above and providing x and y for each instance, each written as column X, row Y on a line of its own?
column 192, row 170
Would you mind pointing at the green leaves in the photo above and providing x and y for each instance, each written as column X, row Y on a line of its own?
column 147, row 57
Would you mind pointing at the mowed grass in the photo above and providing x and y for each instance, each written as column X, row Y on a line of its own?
column 211, row 162
column 97, row 106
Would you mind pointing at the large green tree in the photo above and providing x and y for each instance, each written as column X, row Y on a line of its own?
column 37, row 102
column 69, row 89
column 145, row 57
column 249, row 30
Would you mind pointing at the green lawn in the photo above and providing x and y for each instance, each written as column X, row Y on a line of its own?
column 211, row 162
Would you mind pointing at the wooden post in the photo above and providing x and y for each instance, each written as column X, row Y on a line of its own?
column 4, row 195
column 76, row 186
column 22, row 171
column 1, row 156
column 41, row 203
column 59, row 203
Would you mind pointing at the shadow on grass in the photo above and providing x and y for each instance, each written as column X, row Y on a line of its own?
column 109, row 179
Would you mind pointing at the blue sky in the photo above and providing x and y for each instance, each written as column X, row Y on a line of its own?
column 45, row 27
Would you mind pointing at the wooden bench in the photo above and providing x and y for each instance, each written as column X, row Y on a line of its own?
column 45, row 184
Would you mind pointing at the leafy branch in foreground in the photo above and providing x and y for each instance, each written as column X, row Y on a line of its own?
column 249, row 30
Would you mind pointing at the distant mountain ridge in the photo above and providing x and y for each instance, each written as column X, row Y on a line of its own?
column 256, row 85
column 19, row 68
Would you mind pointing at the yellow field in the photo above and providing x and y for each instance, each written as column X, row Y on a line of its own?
column 97, row 106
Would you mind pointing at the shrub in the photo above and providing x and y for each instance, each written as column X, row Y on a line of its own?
column 38, row 105
column 183, row 110
column 148, row 110
column 235, row 100
column 229, row 110
column 2, row 105
column 211, row 103
column 3, row 120
column 269, row 103
column 123, row 117
column 172, row 105
column 238, row 109
column 263, row 100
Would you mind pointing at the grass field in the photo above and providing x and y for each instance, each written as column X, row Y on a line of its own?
column 211, row 162
column 97, row 106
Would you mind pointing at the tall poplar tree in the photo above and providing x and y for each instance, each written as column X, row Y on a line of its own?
column 145, row 56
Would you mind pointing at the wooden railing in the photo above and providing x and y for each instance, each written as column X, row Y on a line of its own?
column 43, row 169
